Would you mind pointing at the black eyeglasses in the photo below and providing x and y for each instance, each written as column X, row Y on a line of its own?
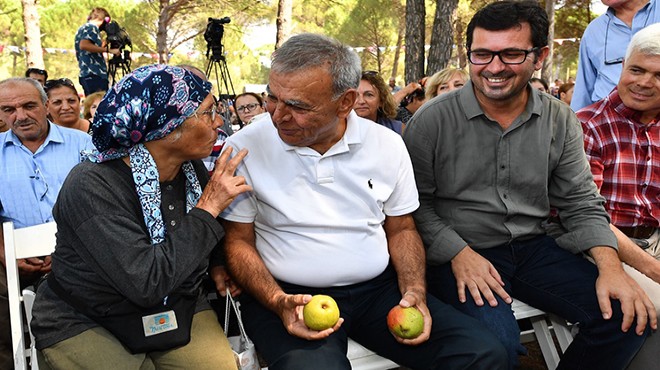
column 609, row 62
column 59, row 82
column 507, row 56
column 247, row 107
column 37, row 71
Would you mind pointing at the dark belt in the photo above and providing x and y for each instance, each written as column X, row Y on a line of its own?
column 638, row 232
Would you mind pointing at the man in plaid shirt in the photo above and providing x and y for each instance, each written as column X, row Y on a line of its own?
column 622, row 143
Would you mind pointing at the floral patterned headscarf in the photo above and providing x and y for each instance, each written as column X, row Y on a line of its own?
column 148, row 104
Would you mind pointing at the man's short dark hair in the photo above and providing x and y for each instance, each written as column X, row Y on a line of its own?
column 504, row 15
column 38, row 71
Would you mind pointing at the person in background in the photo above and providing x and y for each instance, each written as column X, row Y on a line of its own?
column 449, row 79
column 565, row 92
column 136, row 224
column 249, row 106
column 35, row 158
column 490, row 160
column 539, row 84
column 622, row 143
column 334, row 218
column 91, row 103
column 374, row 102
column 64, row 104
column 603, row 45
column 38, row 74
column 410, row 105
column 393, row 86
column 89, row 52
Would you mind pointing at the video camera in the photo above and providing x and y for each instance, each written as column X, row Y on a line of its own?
column 213, row 36
column 117, row 36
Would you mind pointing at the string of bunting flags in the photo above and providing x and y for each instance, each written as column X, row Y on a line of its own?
column 195, row 54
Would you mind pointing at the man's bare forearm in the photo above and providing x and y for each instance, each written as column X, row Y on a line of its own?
column 633, row 255
column 247, row 267
column 407, row 254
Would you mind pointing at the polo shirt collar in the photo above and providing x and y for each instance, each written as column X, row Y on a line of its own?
column 352, row 135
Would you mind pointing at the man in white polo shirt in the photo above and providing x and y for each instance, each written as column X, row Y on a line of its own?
column 331, row 214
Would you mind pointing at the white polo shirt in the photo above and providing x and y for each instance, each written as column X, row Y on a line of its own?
column 318, row 218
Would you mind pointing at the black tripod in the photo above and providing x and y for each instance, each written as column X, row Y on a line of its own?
column 119, row 66
column 218, row 66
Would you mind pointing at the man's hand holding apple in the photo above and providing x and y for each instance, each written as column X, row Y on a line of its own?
column 289, row 307
column 416, row 298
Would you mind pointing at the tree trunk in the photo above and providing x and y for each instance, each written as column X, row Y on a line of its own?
column 34, row 55
column 546, row 72
column 442, row 38
column 397, row 52
column 161, row 35
column 415, row 25
column 284, row 15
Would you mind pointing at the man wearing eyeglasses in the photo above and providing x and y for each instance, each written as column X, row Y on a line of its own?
column 40, row 75
column 490, row 160
column 603, row 45
column 35, row 158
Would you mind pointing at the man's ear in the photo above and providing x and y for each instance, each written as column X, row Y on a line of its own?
column 346, row 102
column 542, row 54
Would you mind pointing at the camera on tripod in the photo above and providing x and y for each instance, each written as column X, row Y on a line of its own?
column 213, row 36
column 117, row 38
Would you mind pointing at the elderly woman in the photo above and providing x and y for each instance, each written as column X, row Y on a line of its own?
column 64, row 104
column 136, row 225
column 375, row 103
column 449, row 79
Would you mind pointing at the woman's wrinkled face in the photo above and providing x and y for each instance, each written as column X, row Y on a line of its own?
column 195, row 138
column 368, row 101
column 63, row 105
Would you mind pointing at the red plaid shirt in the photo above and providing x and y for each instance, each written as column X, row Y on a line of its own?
column 625, row 160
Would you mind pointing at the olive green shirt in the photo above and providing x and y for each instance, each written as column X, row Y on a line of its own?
column 483, row 186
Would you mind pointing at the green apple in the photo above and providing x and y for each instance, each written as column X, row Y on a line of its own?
column 321, row 312
column 405, row 322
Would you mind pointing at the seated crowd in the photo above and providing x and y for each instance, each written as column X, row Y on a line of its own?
column 435, row 196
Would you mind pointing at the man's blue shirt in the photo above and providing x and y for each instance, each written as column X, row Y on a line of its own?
column 31, row 181
column 595, row 79
column 90, row 63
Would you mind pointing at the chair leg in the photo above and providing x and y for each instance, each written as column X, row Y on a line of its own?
column 546, row 343
column 562, row 332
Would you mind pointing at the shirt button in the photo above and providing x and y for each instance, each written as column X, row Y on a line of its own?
column 168, row 187
column 173, row 223
column 171, row 207
column 503, row 167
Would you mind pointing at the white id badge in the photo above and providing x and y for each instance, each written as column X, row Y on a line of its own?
column 159, row 323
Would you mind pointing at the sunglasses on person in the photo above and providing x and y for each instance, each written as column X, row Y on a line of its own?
column 37, row 71
column 50, row 84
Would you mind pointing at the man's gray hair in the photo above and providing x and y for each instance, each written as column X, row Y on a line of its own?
column 309, row 50
column 31, row 81
column 646, row 41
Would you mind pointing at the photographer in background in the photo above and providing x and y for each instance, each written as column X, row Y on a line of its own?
column 89, row 52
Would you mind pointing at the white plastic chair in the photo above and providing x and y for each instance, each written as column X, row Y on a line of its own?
column 33, row 241
column 542, row 331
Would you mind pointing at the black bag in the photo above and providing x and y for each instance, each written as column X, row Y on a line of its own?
column 159, row 328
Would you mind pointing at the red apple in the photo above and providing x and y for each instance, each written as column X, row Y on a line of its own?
column 405, row 322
